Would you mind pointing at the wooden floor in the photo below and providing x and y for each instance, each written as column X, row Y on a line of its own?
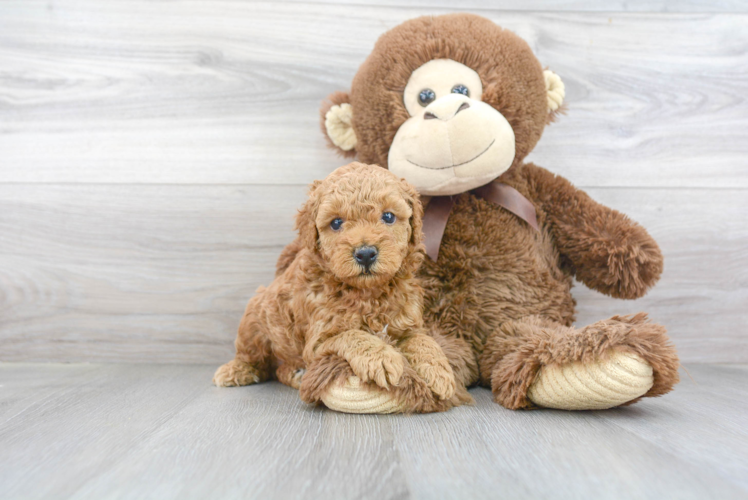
column 163, row 431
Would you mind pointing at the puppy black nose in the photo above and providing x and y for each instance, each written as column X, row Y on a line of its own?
column 365, row 256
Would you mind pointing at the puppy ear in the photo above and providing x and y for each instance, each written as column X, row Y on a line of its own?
column 336, row 115
column 305, row 219
column 555, row 91
column 416, row 250
column 416, row 220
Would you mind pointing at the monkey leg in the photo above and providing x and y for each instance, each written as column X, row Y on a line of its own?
column 254, row 361
column 535, row 362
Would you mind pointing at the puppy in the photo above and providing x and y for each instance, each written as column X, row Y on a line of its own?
column 349, row 293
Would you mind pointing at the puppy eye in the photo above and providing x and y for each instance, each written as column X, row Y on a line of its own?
column 460, row 89
column 336, row 224
column 426, row 97
column 388, row 218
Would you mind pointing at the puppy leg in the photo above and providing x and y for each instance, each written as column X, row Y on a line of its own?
column 330, row 380
column 430, row 363
column 290, row 373
column 254, row 359
column 370, row 357
column 235, row 373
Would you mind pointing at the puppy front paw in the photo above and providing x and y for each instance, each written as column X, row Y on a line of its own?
column 290, row 374
column 235, row 373
column 431, row 365
column 438, row 376
column 384, row 366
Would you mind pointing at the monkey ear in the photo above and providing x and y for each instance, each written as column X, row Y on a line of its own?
column 305, row 219
column 336, row 116
column 555, row 92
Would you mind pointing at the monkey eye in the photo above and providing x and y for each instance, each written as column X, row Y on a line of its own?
column 388, row 218
column 460, row 89
column 336, row 224
column 426, row 97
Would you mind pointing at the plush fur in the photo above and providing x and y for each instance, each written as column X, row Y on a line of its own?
column 511, row 360
column 499, row 296
column 325, row 317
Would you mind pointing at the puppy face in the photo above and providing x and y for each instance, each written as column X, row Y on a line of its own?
column 364, row 223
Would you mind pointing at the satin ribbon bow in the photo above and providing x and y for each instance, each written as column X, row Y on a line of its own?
column 437, row 212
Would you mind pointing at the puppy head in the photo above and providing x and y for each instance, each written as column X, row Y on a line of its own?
column 364, row 224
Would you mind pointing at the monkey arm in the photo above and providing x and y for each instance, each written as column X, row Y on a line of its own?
column 605, row 249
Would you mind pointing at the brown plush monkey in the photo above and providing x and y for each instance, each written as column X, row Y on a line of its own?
column 454, row 104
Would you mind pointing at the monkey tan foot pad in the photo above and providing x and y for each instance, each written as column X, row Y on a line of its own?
column 607, row 383
column 356, row 397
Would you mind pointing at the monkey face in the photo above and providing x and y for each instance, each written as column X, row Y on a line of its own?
column 452, row 142
column 448, row 102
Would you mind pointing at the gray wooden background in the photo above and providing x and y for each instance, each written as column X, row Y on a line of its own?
column 153, row 153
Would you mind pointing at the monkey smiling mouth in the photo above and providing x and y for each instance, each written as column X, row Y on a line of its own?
column 459, row 164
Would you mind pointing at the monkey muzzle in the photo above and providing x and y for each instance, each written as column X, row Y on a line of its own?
column 455, row 145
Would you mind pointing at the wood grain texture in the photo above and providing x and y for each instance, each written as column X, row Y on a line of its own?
column 133, row 91
column 163, row 273
column 141, row 273
column 114, row 431
column 670, row 6
column 152, row 155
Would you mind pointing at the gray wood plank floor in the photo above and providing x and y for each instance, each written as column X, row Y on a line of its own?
column 163, row 431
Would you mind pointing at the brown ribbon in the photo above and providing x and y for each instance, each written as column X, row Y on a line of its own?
column 434, row 221
column 437, row 212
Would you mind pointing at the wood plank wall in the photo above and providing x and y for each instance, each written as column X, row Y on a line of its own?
column 153, row 154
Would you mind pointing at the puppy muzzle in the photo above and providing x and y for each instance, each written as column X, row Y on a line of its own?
column 366, row 256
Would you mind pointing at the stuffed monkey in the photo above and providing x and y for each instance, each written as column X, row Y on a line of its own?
column 454, row 104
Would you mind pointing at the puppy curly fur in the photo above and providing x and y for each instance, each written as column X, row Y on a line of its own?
column 327, row 317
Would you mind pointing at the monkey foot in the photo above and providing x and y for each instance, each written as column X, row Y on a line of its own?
column 356, row 397
column 619, row 379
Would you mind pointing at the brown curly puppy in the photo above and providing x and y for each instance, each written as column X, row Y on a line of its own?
column 349, row 301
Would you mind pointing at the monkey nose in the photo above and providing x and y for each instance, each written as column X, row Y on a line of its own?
column 366, row 256
column 446, row 108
